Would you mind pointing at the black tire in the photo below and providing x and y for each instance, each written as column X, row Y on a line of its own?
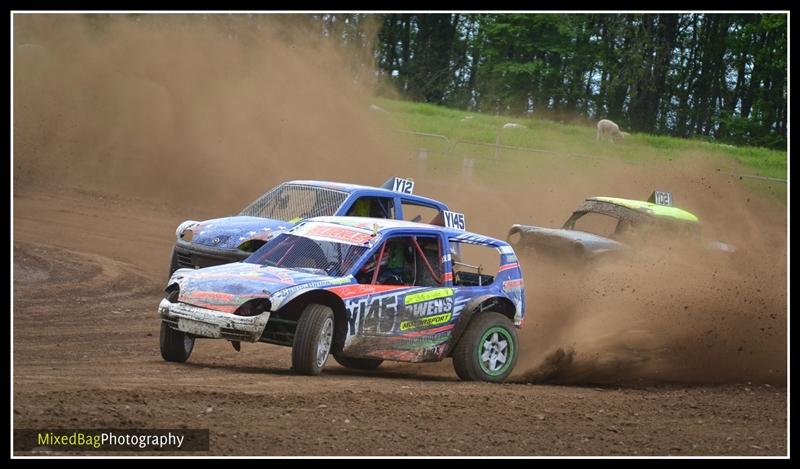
column 313, row 339
column 469, row 359
column 176, row 346
column 364, row 364
column 173, row 263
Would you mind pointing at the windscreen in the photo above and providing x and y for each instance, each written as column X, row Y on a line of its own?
column 294, row 202
column 596, row 223
column 309, row 255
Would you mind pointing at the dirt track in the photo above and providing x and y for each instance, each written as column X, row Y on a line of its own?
column 179, row 111
column 86, row 286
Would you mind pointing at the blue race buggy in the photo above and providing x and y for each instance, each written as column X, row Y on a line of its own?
column 364, row 290
column 231, row 239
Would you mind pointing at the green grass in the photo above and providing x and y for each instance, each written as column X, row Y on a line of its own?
column 577, row 140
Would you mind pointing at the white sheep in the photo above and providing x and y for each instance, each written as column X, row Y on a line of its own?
column 609, row 129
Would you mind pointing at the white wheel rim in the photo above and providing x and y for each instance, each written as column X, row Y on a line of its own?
column 324, row 344
column 187, row 343
column 495, row 352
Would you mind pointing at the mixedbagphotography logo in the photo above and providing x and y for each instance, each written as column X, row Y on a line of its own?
column 139, row 439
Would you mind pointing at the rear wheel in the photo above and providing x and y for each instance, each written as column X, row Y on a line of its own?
column 488, row 349
column 176, row 346
column 312, row 339
column 365, row 364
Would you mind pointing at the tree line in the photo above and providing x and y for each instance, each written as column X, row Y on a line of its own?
column 720, row 76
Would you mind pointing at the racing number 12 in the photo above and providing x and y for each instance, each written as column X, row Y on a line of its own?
column 405, row 186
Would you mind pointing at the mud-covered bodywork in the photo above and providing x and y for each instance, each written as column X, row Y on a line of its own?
column 230, row 239
column 560, row 242
column 632, row 218
column 260, row 299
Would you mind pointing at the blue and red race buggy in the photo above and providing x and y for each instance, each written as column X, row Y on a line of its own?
column 231, row 239
column 364, row 290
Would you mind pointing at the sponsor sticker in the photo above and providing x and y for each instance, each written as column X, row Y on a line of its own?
column 339, row 233
column 425, row 322
column 428, row 295
column 510, row 285
column 508, row 266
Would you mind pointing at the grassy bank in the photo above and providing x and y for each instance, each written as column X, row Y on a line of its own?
column 478, row 134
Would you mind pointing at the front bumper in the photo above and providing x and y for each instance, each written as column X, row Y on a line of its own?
column 198, row 256
column 202, row 322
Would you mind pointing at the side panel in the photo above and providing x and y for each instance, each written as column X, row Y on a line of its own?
column 511, row 281
column 417, row 324
column 407, row 324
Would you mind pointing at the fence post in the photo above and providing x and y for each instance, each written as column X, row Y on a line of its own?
column 468, row 166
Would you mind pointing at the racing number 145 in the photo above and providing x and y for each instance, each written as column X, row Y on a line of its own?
column 454, row 220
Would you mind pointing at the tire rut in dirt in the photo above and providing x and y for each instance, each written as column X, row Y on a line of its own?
column 361, row 364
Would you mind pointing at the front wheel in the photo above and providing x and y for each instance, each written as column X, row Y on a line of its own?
column 176, row 346
column 312, row 340
column 364, row 364
column 488, row 349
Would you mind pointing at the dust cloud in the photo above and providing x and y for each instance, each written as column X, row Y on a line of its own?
column 198, row 110
column 669, row 310
column 205, row 113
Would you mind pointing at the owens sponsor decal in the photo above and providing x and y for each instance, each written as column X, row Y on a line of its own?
column 430, row 307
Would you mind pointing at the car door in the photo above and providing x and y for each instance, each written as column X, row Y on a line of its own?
column 409, row 315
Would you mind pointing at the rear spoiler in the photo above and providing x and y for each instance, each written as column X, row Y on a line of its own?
column 398, row 184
